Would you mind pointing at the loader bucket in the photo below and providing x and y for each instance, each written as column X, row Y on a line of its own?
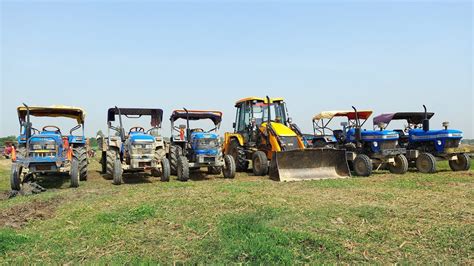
column 309, row 164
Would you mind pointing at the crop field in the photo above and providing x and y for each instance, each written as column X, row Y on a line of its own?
column 381, row 219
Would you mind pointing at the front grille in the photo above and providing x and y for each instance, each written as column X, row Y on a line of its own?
column 388, row 144
column 207, row 144
column 289, row 143
column 452, row 143
column 142, row 151
column 42, row 154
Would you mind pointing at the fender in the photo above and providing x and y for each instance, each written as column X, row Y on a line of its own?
column 228, row 137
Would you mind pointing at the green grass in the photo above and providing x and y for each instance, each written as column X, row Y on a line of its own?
column 414, row 218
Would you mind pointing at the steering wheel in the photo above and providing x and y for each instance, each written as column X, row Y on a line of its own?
column 56, row 129
column 136, row 129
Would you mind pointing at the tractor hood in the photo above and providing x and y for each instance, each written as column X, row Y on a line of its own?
column 202, row 135
column 420, row 134
column 371, row 135
column 138, row 136
column 280, row 129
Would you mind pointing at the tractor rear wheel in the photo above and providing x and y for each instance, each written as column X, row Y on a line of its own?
column 463, row 163
column 80, row 153
column 74, row 172
column 229, row 167
column 183, row 169
column 117, row 172
column 237, row 151
column 175, row 153
column 400, row 166
column 103, row 162
column 15, row 177
column 165, row 170
column 362, row 165
column 426, row 163
column 259, row 163
column 214, row 170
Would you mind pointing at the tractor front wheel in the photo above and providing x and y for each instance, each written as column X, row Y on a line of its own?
column 165, row 170
column 183, row 169
column 362, row 165
column 259, row 163
column 80, row 153
column 74, row 172
column 400, row 166
column 175, row 153
column 229, row 167
column 15, row 177
column 117, row 172
column 426, row 163
column 463, row 163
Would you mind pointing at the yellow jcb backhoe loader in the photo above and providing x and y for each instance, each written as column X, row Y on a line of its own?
column 264, row 134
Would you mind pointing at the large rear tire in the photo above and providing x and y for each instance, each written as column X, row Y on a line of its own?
column 463, row 163
column 80, row 153
column 15, row 177
column 183, row 169
column 74, row 172
column 259, row 163
column 103, row 162
column 426, row 163
column 400, row 166
column 238, row 153
column 175, row 153
column 229, row 167
column 165, row 170
column 362, row 165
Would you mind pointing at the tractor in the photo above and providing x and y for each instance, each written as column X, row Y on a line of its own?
column 135, row 150
column 265, row 135
column 193, row 148
column 425, row 146
column 49, row 150
column 364, row 148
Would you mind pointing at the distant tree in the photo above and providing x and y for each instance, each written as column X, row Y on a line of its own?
column 4, row 140
column 100, row 133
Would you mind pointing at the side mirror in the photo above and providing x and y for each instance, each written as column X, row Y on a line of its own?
column 233, row 125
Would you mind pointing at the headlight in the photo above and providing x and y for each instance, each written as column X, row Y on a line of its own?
column 50, row 146
column 375, row 144
column 439, row 142
column 148, row 146
column 36, row 147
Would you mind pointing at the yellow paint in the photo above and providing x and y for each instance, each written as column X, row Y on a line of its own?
column 228, row 138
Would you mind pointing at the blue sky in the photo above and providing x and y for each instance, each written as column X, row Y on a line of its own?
column 386, row 56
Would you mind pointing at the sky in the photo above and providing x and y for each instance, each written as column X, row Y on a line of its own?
column 383, row 55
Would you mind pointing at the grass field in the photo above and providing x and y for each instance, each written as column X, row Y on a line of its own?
column 381, row 219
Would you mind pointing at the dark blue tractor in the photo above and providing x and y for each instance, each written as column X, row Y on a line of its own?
column 365, row 149
column 424, row 145
column 135, row 150
column 193, row 148
column 49, row 150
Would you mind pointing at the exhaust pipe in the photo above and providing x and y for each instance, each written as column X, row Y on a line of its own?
column 426, row 121
column 28, row 124
column 358, row 131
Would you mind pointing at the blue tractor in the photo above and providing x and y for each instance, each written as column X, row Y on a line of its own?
column 193, row 148
column 364, row 148
column 135, row 150
column 49, row 150
column 425, row 146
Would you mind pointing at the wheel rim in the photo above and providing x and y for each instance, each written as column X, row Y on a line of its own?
column 360, row 167
column 425, row 164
